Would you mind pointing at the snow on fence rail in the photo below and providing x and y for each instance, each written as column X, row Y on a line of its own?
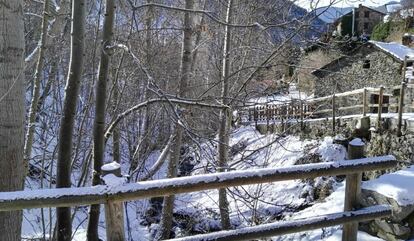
column 64, row 197
column 113, row 195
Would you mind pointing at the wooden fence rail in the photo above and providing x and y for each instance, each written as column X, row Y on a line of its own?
column 294, row 226
column 112, row 195
column 310, row 108
column 373, row 100
column 64, row 197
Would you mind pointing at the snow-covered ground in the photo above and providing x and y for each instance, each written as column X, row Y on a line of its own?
column 292, row 94
column 249, row 205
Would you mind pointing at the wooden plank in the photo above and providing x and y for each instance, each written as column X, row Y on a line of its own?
column 64, row 197
column 364, row 102
column 301, row 114
column 352, row 190
column 293, row 226
column 401, row 99
column 380, row 106
column 344, row 94
column 333, row 114
column 114, row 211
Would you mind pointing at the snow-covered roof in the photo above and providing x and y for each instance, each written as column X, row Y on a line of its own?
column 397, row 50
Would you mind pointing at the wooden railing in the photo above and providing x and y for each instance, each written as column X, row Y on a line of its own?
column 364, row 101
column 113, row 196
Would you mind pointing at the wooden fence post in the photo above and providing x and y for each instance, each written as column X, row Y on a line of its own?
column 301, row 114
column 267, row 117
column 364, row 102
column 380, row 102
column 114, row 211
column 333, row 114
column 401, row 100
column 255, row 116
column 352, row 190
column 401, row 108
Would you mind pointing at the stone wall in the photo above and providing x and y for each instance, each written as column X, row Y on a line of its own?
column 368, row 68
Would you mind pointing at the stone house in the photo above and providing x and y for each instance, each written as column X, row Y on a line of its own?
column 358, row 22
column 370, row 65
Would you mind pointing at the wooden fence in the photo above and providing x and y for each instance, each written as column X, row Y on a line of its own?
column 364, row 101
column 112, row 196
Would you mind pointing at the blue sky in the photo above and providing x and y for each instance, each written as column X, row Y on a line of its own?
column 339, row 3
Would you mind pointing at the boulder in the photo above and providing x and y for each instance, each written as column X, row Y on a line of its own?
column 396, row 190
column 399, row 212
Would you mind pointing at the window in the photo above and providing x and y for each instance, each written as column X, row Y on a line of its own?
column 366, row 26
column 367, row 64
column 366, row 14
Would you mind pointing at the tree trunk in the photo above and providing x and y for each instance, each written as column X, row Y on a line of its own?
column 11, row 111
column 99, row 123
column 185, row 71
column 116, row 136
column 223, row 146
column 36, row 88
column 64, row 223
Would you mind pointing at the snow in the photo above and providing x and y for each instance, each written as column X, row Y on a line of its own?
column 331, row 152
column 263, row 202
column 397, row 50
column 333, row 203
column 362, row 236
column 111, row 166
column 398, row 186
column 282, row 225
column 292, row 94
column 141, row 189
column 357, row 142
column 112, row 180
column 409, row 74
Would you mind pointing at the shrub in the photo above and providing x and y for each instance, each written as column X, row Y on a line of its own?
column 381, row 31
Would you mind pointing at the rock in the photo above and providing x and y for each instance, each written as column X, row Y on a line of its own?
column 390, row 231
column 399, row 212
column 393, row 189
column 262, row 128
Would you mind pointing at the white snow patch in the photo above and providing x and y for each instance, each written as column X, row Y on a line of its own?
column 111, row 166
column 398, row 186
column 357, row 142
column 112, row 180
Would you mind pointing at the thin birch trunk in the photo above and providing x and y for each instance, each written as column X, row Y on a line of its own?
column 64, row 224
column 11, row 110
column 185, row 71
column 116, row 136
column 223, row 146
column 36, row 88
column 99, row 123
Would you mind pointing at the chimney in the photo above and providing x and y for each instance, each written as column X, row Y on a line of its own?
column 407, row 40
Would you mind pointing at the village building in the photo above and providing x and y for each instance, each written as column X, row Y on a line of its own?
column 372, row 64
column 358, row 22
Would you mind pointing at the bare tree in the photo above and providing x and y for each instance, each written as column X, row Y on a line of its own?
column 185, row 70
column 64, row 219
column 225, row 119
column 11, row 110
column 100, row 110
column 36, row 85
